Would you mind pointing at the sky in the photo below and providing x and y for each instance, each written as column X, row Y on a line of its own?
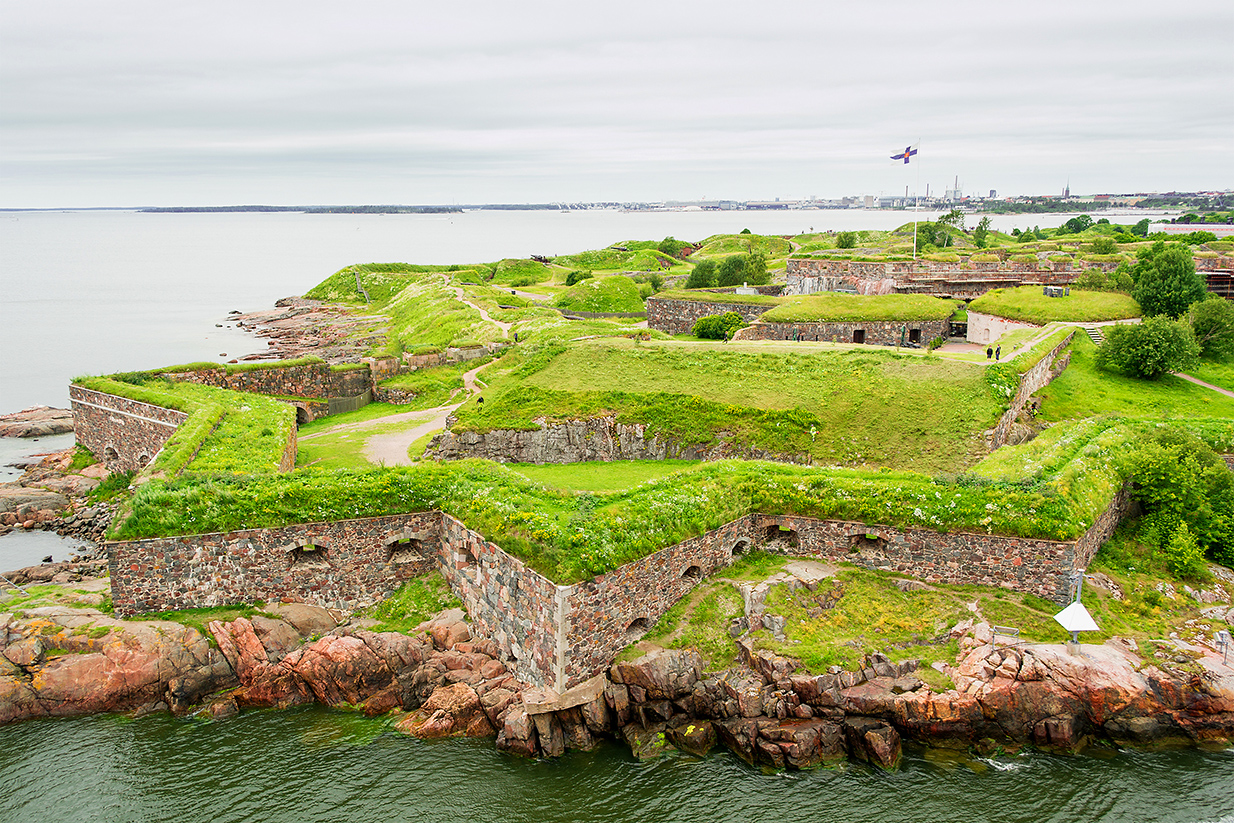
column 137, row 103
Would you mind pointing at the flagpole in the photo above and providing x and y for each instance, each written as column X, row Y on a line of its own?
column 916, row 193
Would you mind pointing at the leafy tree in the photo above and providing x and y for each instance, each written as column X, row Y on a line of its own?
column 1212, row 322
column 1076, row 224
column 953, row 218
column 1150, row 349
column 703, row 276
column 743, row 268
column 1141, row 228
column 718, row 326
column 981, row 234
column 656, row 280
column 1098, row 280
column 1166, row 281
column 846, row 240
column 1179, row 479
column 744, row 231
column 575, row 277
column 672, row 247
column 933, row 234
column 1105, row 245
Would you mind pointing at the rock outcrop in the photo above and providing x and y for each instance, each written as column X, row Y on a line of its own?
column 36, row 421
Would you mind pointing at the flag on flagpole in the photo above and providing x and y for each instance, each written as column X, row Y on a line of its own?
column 908, row 152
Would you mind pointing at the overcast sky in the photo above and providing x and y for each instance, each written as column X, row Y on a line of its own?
column 129, row 102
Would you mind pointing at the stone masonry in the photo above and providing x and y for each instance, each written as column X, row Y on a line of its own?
column 880, row 333
column 318, row 381
column 556, row 635
column 1032, row 381
column 124, row 434
column 679, row 316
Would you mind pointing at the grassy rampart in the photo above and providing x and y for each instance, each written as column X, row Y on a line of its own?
column 226, row 431
column 858, row 307
column 1029, row 305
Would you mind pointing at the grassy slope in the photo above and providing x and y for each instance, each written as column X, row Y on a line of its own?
column 228, row 431
column 602, row 294
column 1216, row 372
column 846, row 307
column 617, row 475
column 870, row 407
column 1028, row 304
column 1084, row 390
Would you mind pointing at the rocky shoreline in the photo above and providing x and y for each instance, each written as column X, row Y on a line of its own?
column 52, row 496
column 75, row 659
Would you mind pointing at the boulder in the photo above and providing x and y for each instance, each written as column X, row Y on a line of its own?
column 647, row 743
column 308, row 621
column 36, row 421
column 871, row 740
column 518, row 733
column 450, row 711
column 696, row 737
column 664, row 674
column 800, row 744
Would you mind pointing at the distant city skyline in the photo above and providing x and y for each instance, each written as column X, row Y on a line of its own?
column 155, row 104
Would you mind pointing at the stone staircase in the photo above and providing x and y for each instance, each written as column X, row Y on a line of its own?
column 1094, row 334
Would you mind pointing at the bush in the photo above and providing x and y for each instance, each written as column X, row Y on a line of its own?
column 846, row 240
column 1212, row 322
column 1150, row 349
column 1105, row 245
column 743, row 268
column 703, row 276
column 1118, row 280
column 575, row 277
column 1166, row 281
column 718, row 326
column 1184, row 556
column 673, row 247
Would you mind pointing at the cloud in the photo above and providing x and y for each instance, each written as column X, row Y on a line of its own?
column 143, row 101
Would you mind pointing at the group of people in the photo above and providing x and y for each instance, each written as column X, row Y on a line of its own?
column 996, row 352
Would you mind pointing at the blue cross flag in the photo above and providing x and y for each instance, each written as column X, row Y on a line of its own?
column 908, row 152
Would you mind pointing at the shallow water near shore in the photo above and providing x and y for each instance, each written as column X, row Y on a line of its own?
column 313, row 764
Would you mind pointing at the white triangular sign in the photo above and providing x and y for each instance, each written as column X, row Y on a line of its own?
column 1075, row 618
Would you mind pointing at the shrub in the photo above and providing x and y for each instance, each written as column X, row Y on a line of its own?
column 1150, row 349
column 1105, row 245
column 575, row 276
column 718, row 326
column 703, row 276
column 673, row 247
column 1212, row 322
column 1166, row 281
column 846, row 240
column 1184, row 556
column 743, row 268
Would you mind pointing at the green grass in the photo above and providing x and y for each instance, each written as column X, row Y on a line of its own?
column 1028, row 304
column 1216, row 372
column 865, row 407
column 373, row 411
column 415, row 602
column 754, row 566
column 602, row 294
column 870, row 614
column 226, row 431
column 1084, row 390
column 343, row 448
column 700, row 621
column 599, row 476
column 611, row 259
column 725, row 244
column 433, row 387
column 847, row 307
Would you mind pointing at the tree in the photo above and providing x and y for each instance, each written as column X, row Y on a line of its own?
column 577, row 276
column 1141, row 228
column 1150, row 349
column 954, row 218
column 1076, row 225
column 743, row 268
column 1104, row 245
column 1166, row 281
column 1212, row 322
column 846, row 240
column 981, row 234
column 703, row 276
column 672, row 246
column 718, row 326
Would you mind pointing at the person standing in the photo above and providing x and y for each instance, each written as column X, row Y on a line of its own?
column 998, row 352
column 989, row 352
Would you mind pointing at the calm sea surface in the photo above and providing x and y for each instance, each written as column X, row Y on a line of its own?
column 96, row 292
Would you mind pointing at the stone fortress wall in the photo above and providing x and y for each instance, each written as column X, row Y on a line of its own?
column 555, row 635
column 124, row 434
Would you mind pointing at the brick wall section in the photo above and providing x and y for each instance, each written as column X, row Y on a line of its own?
column 1031, row 382
column 602, row 610
column 124, row 434
column 557, row 636
column 876, row 333
column 352, row 568
column 807, row 276
column 315, row 380
column 988, row 328
column 415, row 362
column 678, row 316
